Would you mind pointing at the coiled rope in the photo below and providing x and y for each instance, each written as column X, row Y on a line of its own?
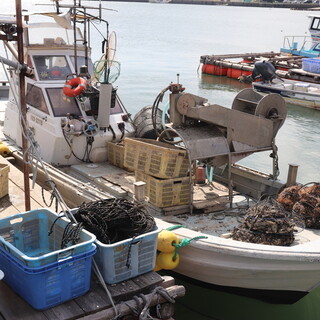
column 113, row 220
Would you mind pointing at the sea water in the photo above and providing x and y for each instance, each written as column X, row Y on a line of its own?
column 162, row 43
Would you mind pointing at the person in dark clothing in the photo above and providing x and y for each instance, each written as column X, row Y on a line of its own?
column 263, row 70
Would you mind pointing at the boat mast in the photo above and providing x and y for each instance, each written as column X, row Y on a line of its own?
column 22, row 74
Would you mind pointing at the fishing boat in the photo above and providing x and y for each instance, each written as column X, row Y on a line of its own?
column 295, row 92
column 75, row 119
column 305, row 46
column 264, row 79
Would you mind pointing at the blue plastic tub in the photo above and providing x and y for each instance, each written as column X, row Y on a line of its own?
column 311, row 65
column 129, row 258
column 26, row 236
column 51, row 285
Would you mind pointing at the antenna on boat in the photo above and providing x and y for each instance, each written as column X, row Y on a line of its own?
column 23, row 105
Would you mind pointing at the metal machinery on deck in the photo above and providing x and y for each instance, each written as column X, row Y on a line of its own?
column 217, row 135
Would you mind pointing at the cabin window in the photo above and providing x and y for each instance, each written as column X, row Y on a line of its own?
column 51, row 67
column 51, row 35
column 61, row 104
column 35, row 98
column 315, row 24
column 81, row 62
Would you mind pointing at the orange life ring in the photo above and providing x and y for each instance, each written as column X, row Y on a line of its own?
column 74, row 87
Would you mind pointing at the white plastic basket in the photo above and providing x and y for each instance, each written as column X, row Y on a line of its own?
column 128, row 258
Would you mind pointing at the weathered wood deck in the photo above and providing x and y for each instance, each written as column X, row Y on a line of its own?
column 95, row 304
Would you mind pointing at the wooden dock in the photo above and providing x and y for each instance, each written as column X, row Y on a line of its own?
column 147, row 292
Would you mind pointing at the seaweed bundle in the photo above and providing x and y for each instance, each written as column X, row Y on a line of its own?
column 303, row 200
column 267, row 222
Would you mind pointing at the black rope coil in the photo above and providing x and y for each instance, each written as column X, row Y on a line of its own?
column 71, row 233
column 114, row 220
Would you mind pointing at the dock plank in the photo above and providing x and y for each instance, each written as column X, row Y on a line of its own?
column 12, row 307
column 95, row 300
column 67, row 311
column 14, row 202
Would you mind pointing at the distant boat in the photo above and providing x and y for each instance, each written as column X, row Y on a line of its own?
column 296, row 92
column 159, row 1
column 306, row 46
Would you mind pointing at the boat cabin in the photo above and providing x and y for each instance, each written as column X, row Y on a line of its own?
column 66, row 128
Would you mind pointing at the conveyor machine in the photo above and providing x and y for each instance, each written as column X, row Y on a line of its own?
column 220, row 136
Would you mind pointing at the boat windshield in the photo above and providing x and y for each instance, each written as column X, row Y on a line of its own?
column 54, row 35
column 51, row 67
column 61, row 104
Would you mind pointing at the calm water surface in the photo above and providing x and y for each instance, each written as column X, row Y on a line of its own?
column 157, row 42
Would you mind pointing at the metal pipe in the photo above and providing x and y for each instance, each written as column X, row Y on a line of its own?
column 85, row 22
column 292, row 174
column 23, row 106
column 75, row 37
column 16, row 65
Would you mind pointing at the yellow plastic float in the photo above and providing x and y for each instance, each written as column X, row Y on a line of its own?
column 167, row 246
column 4, row 150
column 167, row 241
column 167, row 261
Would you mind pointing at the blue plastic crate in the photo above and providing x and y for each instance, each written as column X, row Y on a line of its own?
column 129, row 258
column 25, row 236
column 51, row 285
column 311, row 65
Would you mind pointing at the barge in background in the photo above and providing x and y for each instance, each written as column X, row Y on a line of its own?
column 288, row 62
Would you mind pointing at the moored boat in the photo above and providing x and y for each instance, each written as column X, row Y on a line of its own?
column 306, row 46
column 295, row 92
column 159, row 1
column 264, row 79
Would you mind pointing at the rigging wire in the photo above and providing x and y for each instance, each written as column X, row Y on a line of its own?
column 34, row 152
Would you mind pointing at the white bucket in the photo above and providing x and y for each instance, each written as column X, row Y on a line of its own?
column 1, row 275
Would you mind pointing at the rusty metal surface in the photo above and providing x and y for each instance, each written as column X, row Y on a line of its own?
column 242, row 127
column 203, row 142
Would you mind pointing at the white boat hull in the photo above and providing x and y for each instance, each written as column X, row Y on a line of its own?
column 241, row 265
column 295, row 92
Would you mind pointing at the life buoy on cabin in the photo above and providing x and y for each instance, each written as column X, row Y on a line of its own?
column 74, row 87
